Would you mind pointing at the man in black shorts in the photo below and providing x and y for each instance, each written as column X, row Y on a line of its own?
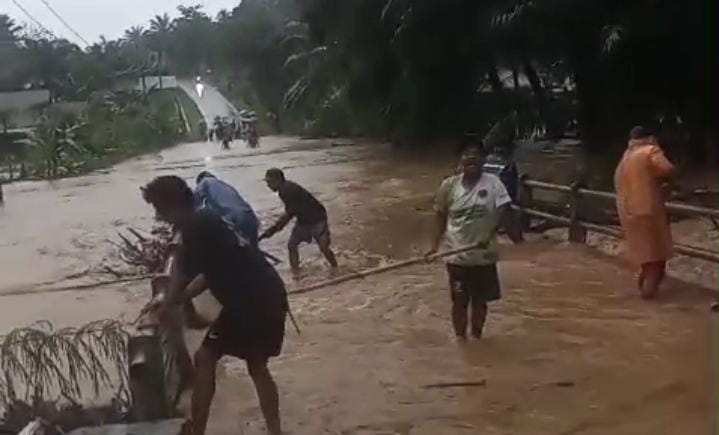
column 469, row 208
column 251, row 324
column 311, row 218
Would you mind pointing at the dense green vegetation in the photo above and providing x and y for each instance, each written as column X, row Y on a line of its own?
column 113, row 126
column 95, row 117
column 419, row 71
column 416, row 71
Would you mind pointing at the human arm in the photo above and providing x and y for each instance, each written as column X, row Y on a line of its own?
column 661, row 166
column 441, row 210
column 186, row 279
column 277, row 226
column 508, row 220
column 506, row 217
column 200, row 194
column 195, row 287
column 438, row 230
column 287, row 196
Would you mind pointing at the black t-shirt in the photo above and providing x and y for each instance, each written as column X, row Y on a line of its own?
column 239, row 276
column 301, row 203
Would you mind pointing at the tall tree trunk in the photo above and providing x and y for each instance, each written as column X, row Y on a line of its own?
column 494, row 80
column 596, row 132
column 539, row 94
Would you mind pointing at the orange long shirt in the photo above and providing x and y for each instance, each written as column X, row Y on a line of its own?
column 640, row 201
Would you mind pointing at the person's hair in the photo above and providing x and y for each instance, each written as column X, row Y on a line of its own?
column 168, row 190
column 202, row 175
column 471, row 142
column 275, row 173
column 639, row 132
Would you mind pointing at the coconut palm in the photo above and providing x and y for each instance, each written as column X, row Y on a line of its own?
column 161, row 27
column 135, row 38
column 8, row 30
column 135, row 35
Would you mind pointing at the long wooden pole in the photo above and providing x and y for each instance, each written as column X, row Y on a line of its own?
column 386, row 268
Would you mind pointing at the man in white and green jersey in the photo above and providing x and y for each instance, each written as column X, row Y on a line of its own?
column 470, row 206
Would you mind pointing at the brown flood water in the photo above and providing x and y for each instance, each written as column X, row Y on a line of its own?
column 569, row 350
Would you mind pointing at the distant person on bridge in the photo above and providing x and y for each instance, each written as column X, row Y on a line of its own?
column 251, row 325
column 311, row 218
column 470, row 207
column 639, row 180
column 199, row 87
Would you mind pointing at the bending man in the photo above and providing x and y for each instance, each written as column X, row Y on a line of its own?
column 311, row 218
column 251, row 325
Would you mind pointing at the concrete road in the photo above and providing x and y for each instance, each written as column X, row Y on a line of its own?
column 211, row 104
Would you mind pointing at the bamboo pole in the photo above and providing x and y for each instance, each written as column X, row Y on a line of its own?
column 382, row 269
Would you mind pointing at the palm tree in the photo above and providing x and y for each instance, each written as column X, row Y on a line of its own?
column 161, row 24
column 161, row 27
column 8, row 30
column 135, row 36
column 134, row 42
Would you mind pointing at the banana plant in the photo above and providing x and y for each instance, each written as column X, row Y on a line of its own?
column 54, row 144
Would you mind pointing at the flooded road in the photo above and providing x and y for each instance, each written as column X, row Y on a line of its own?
column 569, row 350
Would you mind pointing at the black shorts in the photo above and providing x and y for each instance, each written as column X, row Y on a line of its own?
column 305, row 233
column 241, row 337
column 473, row 284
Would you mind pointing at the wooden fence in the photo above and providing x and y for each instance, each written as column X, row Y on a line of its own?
column 578, row 227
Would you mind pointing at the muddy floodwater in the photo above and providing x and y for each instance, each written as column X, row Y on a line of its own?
column 570, row 349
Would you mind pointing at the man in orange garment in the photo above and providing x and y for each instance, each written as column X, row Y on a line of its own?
column 640, row 203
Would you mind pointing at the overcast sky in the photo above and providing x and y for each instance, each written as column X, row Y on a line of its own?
column 92, row 18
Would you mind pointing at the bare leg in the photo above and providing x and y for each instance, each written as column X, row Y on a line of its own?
column 203, row 388
column 329, row 255
column 294, row 254
column 266, row 393
column 640, row 278
column 479, row 316
column 653, row 277
column 459, row 317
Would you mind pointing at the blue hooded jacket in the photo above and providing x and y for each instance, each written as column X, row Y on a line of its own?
column 222, row 199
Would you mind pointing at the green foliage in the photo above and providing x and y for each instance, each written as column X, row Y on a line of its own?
column 113, row 126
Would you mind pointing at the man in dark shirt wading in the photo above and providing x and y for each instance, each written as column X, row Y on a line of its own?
column 311, row 218
column 251, row 325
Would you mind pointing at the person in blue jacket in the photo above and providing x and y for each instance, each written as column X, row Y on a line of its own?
column 224, row 201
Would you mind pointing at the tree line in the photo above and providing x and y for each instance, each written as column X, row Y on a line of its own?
column 417, row 71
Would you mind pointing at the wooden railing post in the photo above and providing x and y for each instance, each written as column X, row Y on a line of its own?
column 524, row 200
column 577, row 233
